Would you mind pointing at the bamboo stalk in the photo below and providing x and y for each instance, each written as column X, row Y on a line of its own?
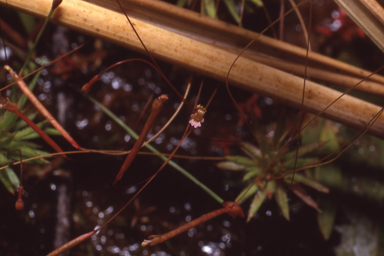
column 224, row 35
column 375, row 8
column 208, row 59
column 364, row 15
column 322, row 75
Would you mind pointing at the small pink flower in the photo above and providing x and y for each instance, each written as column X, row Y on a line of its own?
column 194, row 123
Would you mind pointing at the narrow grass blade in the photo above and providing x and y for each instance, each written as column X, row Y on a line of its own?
column 303, row 195
column 246, row 193
column 326, row 218
column 231, row 166
column 299, row 178
column 282, row 200
column 9, row 179
column 256, row 203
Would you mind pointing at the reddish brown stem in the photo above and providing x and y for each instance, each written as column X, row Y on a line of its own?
column 40, row 107
column 156, row 107
column 19, row 205
column 231, row 208
column 144, row 110
column 12, row 107
column 72, row 243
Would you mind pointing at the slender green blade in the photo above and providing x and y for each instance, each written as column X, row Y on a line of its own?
column 181, row 3
column 251, row 150
column 326, row 218
column 299, row 178
column 242, row 160
column 9, row 179
column 210, row 8
column 256, row 203
column 232, row 10
column 282, row 200
column 231, row 166
column 246, row 193
column 29, row 133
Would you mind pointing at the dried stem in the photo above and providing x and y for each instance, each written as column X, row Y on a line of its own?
column 12, row 107
column 72, row 243
column 41, row 108
column 156, row 107
column 231, row 208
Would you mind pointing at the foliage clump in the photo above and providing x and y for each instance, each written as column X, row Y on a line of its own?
column 273, row 168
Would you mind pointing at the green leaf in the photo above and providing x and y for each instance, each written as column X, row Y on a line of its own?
column 252, row 172
column 13, row 178
column 304, row 150
column 299, row 178
column 256, row 203
column 282, row 200
column 232, row 10
column 246, row 193
column 210, row 8
column 9, row 179
column 52, row 132
column 300, row 163
column 6, row 139
column 271, row 188
column 4, row 160
column 326, row 218
column 29, row 133
column 329, row 174
column 328, row 135
column 181, row 3
column 27, row 152
column 258, row 3
column 16, row 144
column 251, row 150
column 249, row 175
column 28, row 21
column 22, row 124
column 242, row 160
column 35, row 135
column 303, row 195
column 230, row 166
column 8, row 121
column 312, row 133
